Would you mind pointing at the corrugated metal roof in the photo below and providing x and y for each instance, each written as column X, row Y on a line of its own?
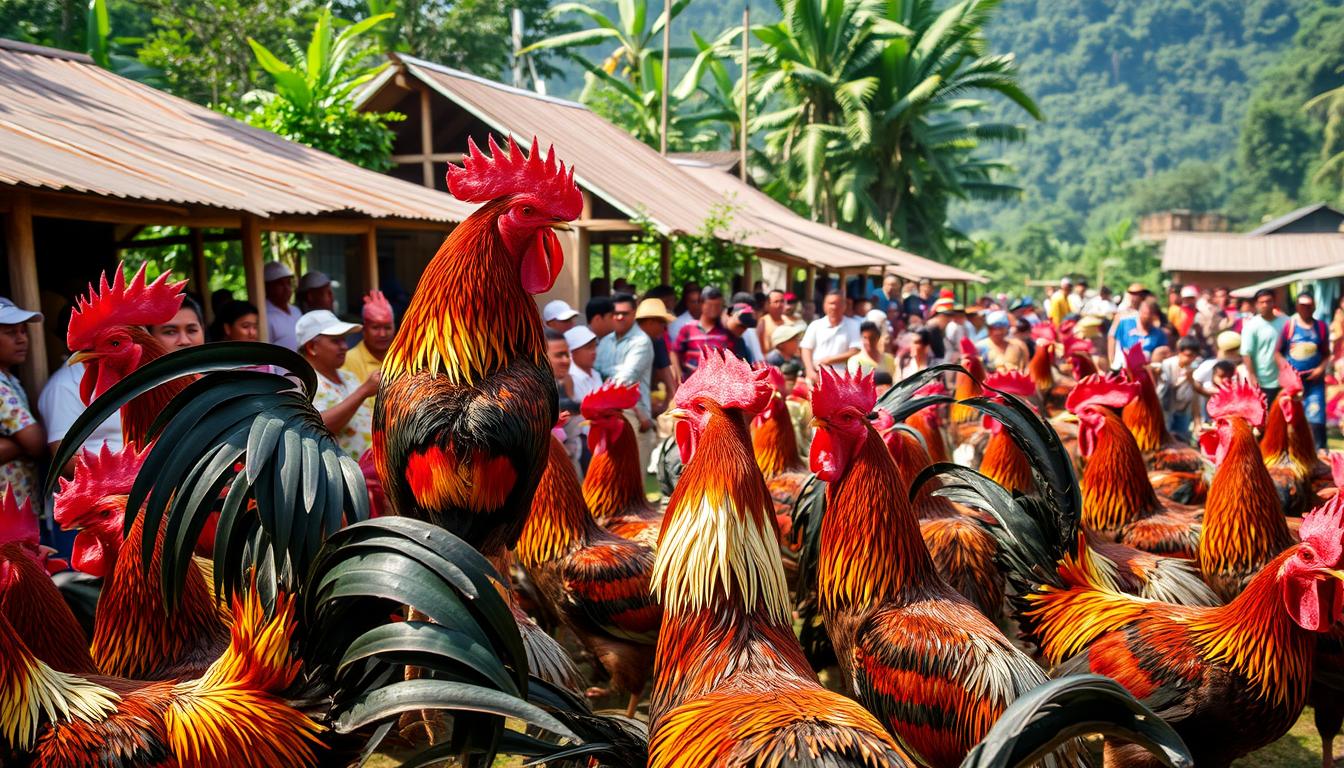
column 1328, row 272
column 1275, row 225
column 66, row 124
column 1231, row 252
column 814, row 241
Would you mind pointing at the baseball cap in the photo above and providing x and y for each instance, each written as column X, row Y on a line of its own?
column 13, row 314
column 653, row 309
column 744, row 314
column 1228, row 341
column 1305, row 298
column 997, row 319
column 877, row 317
column 580, row 335
column 322, row 322
column 1189, row 292
column 558, row 309
column 1065, row 282
column 314, row 279
column 784, row 333
column 275, row 270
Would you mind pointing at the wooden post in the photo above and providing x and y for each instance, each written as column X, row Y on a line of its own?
column 426, row 139
column 249, row 235
column 198, row 276
column 746, row 270
column 665, row 261
column 583, row 265
column 23, row 285
column 606, row 261
column 810, row 289
column 368, row 265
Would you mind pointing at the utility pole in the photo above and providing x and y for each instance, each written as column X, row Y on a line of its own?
column 746, row 88
column 538, row 85
column 667, row 66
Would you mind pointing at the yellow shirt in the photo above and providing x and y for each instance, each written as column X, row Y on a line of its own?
column 361, row 362
column 1057, row 307
column 862, row 363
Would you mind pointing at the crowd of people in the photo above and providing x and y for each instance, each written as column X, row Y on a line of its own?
column 657, row 338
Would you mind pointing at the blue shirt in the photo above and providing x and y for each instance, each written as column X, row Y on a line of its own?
column 628, row 359
column 1126, row 333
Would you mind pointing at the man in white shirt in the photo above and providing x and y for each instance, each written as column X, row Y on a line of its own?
column 281, row 316
column 690, row 301
column 60, row 404
column 830, row 340
column 582, row 344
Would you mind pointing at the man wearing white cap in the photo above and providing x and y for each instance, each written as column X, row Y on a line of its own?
column 315, row 292
column 343, row 400
column 23, row 442
column 280, row 314
column 559, row 316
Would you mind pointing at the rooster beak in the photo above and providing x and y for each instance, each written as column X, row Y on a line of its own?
column 678, row 413
column 79, row 357
column 817, row 423
column 563, row 226
column 1338, row 574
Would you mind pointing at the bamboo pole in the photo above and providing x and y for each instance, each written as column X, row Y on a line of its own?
column 667, row 68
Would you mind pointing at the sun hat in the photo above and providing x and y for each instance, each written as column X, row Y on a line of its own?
column 653, row 309
column 1189, row 292
column 1228, row 341
column 1137, row 288
column 558, row 309
column 944, row 304
column 785, row 333
column 321, row 322
column 275, row 270
column 13, row 314
column 578, row 336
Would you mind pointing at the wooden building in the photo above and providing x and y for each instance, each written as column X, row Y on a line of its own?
column 89, row 159
column 622, row 179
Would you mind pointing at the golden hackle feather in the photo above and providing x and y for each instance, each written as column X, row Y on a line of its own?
column 32, row 693
column 1115, row 483
column 233, row 715
column 560, row 519
column 774, row 442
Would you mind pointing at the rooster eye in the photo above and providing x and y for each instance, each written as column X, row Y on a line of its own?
column 527, row 210
column 115, row 343
column 1308, row 555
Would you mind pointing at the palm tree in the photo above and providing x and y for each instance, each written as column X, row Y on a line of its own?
column 873, row 111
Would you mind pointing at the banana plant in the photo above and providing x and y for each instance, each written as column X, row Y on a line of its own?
column 105, row 50
column 327, row 72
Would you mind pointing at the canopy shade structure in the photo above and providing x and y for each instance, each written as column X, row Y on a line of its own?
column 1328, row 272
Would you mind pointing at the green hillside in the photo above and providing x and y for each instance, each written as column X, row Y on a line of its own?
column 1146, row 101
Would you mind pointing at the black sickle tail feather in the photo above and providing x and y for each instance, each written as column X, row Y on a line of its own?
column 1079, row 705
column 809, row 507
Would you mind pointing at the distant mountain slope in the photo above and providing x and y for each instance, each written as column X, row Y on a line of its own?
column 1130, row 88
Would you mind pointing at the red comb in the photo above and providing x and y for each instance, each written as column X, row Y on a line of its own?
column 1043, row 332
column 776, row 377
column 1290, row 383
column 17, row 521
column 968, row 347
column 1079, row 347
column 484, row 178
column 728, row 381
column 122, row 304
column 611, row 396
column 1097, row 390
column 1337, row 469
column 838, row 390
column 105, row 473
column 1012, row 382
column 1135, row 361
column 1323, row 528
column 1238, row 398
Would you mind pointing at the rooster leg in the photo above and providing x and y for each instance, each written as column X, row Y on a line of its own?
column 633, row 706
column 597, row 692
column 427, row 724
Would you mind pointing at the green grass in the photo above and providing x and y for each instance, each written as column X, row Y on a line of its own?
column 1300, row 748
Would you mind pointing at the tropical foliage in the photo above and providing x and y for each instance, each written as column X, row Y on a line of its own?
column 705, row 257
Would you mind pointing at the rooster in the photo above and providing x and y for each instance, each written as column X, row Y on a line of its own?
column 1180, row 472
column 464, row 412
column 917, row 653
column 106, row 334
column 1003, row 461
column 614, row 485
column 1230, row 679
column 1289, row 450
column 596, row 582
column 731, row 684
column 775, row 445
column 964, row 419
column 1244, row 528
column 1118, row 501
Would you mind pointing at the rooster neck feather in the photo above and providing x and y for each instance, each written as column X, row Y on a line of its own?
column 1006, row 464
column 718, row 549
column 1115, row 485
column 135, row 634
column 775, row 444
column 1244, row 527
column 614, row 485
column 470, row 315
column 1290, row 444
column 871, row 547
column 32, row 604
column 560, row 521
column 1144, row 418
column 1255, row 636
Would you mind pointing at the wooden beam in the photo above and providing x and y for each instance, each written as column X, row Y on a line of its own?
column 57, row 205
column 250, row 236
column 665, row 261
column 432, row 157
column 608, row 225
column 22, row 257
column 606, row 261
column 368, row 263
column 160, row 242
column 426, row 138
column 198, row 276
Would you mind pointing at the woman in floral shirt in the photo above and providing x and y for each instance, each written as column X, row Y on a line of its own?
column 344, row 401
column 23, row 442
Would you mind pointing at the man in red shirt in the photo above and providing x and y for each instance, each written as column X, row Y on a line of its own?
column 707, row 333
